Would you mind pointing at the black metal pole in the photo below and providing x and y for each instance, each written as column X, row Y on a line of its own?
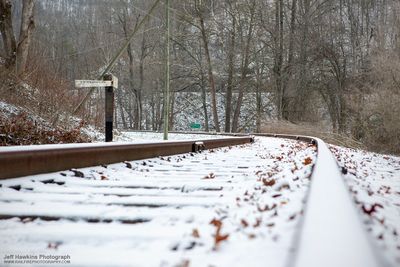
column 109, row 109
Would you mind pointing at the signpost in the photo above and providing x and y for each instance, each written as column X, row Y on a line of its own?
column 109, row 83
column 91, row 83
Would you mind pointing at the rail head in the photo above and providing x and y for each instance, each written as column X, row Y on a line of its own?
column 331, row 232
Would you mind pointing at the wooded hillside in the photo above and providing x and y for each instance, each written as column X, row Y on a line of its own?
column 327, row 65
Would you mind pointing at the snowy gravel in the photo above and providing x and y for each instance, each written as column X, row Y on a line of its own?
column 233, row 206
column 374, row 181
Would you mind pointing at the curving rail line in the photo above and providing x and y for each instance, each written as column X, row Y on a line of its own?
column 330, row 232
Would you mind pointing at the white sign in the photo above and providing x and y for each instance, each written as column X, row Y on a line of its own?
column 92, row 83
column 114, row 82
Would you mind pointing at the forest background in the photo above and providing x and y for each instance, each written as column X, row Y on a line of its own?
column 319, row 67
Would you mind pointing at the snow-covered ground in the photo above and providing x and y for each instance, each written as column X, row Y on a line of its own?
column 374, row 181
column 8, row 110
column 133, row 136
column 233, row 206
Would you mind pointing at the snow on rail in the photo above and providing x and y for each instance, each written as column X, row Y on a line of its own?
column 233, row 206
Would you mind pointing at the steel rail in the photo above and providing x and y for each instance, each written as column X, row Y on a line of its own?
column 31, row 160
column 331, row 232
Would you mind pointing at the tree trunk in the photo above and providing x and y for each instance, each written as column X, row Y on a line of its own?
column 171, row 112
column 153, row 113
column 139, row 96
column 289, row 70
column 136, row 108
column 159, row 110
column 245, row 65
column 229, row 88
column 302, row 87
column 141, row 81
column 121, row 108
column 258, row 99
column 7, row 32
column 204, row 99
column 210, row 74
column 279, row 55
column 25, row 35
column 16, row 54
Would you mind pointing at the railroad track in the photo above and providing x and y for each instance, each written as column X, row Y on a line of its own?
column 204, row 202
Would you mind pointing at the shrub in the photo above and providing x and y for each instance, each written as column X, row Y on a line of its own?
column 20, row 129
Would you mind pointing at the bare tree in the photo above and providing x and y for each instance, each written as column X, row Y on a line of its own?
column 244, row 65
column 231, row 69
column 199, row 6
column 16, row 50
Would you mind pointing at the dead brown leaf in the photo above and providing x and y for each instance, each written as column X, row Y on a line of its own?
column 307, row 161
column 372, row 209
column 265, row 208
column 211, row 175
column 183, row 263
column 216, row 223
column 268, row 182
column 218, row 237
column 257, row 223
column 53, row 245
column 252, row 236
column 195, row 233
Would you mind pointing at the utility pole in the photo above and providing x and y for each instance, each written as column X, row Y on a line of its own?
column 166, row 87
